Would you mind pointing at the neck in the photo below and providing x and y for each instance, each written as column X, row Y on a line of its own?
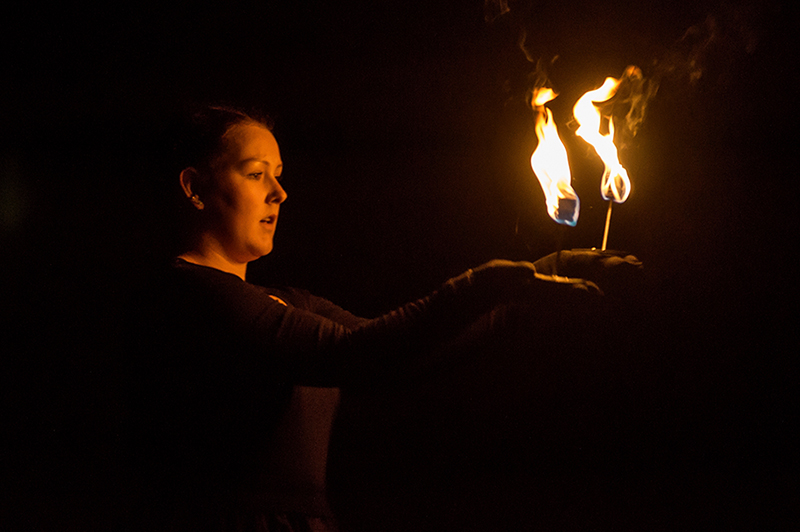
column 210, row 256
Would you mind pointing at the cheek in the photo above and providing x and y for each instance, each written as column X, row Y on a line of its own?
column 249, row 204
column 238, row 202
column 245, row 211
column 235, row 203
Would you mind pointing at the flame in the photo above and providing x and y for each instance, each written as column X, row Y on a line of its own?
column 549, row 163
column 615, row 184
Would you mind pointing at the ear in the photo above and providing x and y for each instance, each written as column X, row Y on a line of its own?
column 189, row 180
column 190, row 183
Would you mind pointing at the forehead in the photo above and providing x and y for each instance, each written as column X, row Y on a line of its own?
column 252, row 141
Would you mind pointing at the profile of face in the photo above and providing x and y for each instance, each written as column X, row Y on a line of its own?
column 242, row 195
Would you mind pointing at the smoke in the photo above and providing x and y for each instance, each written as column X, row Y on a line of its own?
column 494, row 9
column 523, row 37
column 712, row 45
column 689, row 55
column 702, row 56
column 538, row 79
column 627, row 108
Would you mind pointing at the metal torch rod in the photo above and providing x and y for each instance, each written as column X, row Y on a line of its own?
column 608, row 223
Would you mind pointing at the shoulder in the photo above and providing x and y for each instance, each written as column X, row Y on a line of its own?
column 208, row 290
column 296, row 297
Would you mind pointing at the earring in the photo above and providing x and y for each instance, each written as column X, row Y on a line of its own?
column 196, row 201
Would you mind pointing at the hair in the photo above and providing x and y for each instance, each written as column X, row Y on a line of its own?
column 201, row 138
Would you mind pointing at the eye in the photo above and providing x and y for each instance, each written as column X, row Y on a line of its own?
column 255, row 175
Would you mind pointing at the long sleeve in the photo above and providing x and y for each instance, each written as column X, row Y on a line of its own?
column 219, row 358
column 305, row 347
column 305, row 300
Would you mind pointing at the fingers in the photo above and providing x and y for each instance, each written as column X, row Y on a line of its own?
column 570, row 283
column 504, row 281
column 589, row 287
column 615, row 260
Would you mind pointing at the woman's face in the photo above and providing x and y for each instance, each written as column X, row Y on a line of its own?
column 245, row 195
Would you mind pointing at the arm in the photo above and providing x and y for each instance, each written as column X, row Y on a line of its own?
column 307, row 348
column 303, row 299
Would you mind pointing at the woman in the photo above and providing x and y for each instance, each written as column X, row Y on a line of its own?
column 229, row 352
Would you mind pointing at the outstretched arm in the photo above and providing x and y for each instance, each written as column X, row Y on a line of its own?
column 307, row 348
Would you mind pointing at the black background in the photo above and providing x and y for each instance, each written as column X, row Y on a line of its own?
column 406, row 143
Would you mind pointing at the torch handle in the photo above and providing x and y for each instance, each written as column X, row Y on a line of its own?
column 608, row 223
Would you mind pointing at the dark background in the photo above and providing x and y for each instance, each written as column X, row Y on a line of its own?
column 406, row 141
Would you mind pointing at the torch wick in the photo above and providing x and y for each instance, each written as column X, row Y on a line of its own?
column 608, row 223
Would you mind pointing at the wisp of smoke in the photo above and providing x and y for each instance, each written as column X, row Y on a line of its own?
column 704, row 48
column 494, row 9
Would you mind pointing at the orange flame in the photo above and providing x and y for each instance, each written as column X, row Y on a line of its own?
column 549, row 163
column 615, row 184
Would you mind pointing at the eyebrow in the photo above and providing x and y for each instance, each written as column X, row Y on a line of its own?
column 257, row 160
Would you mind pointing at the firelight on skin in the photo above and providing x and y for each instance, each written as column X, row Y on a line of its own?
column 241, row 197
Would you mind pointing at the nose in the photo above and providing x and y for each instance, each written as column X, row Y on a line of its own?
column 275, row 192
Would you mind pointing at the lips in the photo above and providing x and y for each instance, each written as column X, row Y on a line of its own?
column 270, row 219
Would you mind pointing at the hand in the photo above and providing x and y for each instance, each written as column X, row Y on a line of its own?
column 611, row 271
column 504, row 281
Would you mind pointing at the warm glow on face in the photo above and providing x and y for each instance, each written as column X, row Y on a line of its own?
column 615, row 184
column 243, row 204
column 550, row 164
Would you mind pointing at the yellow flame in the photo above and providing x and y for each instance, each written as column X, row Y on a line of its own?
column 549, row 163
column 615, row 184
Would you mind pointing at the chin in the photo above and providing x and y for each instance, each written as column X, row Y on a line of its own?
column 262, row 251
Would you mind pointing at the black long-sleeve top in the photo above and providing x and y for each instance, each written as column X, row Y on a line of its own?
column 304, row 339
column 220, row 358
